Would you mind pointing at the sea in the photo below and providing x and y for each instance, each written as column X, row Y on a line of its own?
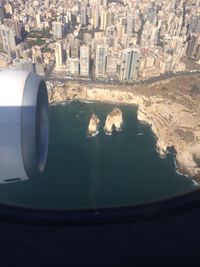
column 83, row 172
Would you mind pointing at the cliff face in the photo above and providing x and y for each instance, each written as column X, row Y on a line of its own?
column 93, row 125
column 175, row 126
column 67, row 92
column 94, row 93
column 113, row 120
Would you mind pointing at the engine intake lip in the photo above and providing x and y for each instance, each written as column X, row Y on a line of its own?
column 34, row 125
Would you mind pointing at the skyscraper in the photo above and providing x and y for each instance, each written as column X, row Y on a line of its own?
column 84, row 18
column 129, row 64
column 38, row 20
column 101, row 56
column 197, row 57
column 195, row 24
column 95, row 17
column 192, row 46
column 24, row 64
column 130, row 26
column 111, row 68
column 111, row 18
column 72, row 66
column 103, row 19
column 59, row 55
column 84, row 61
column 1, row 12
column 74, row 48
column 18, row 28
column 154, row 36
column 8, row 37
column 57, row 29
column 151, row 15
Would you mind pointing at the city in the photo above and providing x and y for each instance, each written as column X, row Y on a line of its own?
column 99, row 40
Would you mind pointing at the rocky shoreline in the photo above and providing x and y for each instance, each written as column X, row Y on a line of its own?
column 173, row 123
column 161, row 147
column 167, row 137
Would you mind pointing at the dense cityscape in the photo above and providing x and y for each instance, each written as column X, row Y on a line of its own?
column 100, row 40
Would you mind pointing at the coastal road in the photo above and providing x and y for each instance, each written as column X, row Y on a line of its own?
column 63, row 80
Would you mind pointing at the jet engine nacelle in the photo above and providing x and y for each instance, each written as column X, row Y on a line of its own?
column 24, row 125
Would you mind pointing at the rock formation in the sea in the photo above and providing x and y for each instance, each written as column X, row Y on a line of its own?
column 114, row 120
column 93, row 125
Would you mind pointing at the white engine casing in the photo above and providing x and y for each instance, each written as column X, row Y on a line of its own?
column 24, row 125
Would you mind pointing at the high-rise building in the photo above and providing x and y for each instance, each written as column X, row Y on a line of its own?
column 24, row 64
column 74, row 47
column 111, row 68
column 195, row 24
column 151, row 15
column 95, row 17
column 84, row 17
column 59, row 55
column 192, row 46
column 103, row 19
column 1, row 12
column 8, row 37
column 72, row 66
column 165, row 65
column 197, row 57
column 38, row 20
column 154, row 36
column 129, row 68
column 66, row 24
column 130, row 26
column 57, row 29
column 69, row 15
column 101, row 56
column 18, row 28
column 110, row 34
column 84, row 61
column 110, row 31
column 111, row 17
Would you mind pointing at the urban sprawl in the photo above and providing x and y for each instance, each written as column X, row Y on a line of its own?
column 101, row 40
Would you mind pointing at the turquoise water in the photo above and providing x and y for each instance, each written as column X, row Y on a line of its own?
column 102, row 171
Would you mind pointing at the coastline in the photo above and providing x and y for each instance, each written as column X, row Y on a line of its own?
column 152, row 110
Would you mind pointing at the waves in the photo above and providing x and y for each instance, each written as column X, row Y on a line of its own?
column 178, row 171
column 85, row 101
column 90, row 135
column 71, row 101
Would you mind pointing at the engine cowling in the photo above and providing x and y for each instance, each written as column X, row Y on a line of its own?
column 24, row 125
